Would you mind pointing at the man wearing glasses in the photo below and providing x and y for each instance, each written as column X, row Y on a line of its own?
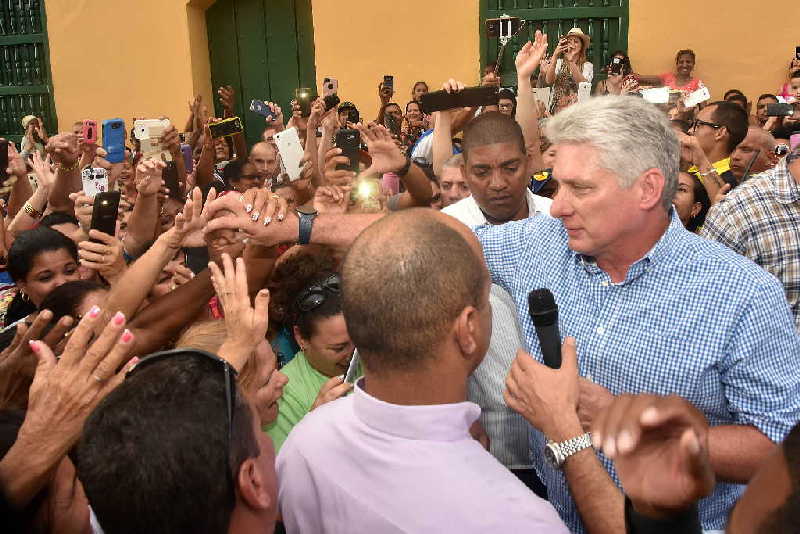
column 713, row 136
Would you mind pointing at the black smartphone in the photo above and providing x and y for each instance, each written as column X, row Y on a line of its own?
column 388, row 82
column 226, row 127
column 392, row 125
column 349, row 140
column 303, row 97
column 170, row 175
column 468, row 98
column 104, row 212
column 353, row 117
column 196, row 259
column 3, row 160
column 780, row 110
column 616, row 66
column 797, row 52
column 331, row 101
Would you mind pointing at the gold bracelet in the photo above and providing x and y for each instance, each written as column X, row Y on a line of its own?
column 30, row 210
column 68, row 169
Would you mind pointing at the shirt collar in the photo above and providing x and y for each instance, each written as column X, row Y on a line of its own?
column 661, row 252
column 533, row 209
column 784, row 185
column 436, row 422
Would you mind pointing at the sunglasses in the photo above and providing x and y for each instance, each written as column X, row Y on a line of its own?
column 313, row 296
column 230, row 386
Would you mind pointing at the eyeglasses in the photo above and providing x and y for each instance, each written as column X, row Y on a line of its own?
column 698, row 122
column 313, row 296
column 230, row 387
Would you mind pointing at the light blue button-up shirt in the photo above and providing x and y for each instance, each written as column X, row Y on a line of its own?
column 691, row 318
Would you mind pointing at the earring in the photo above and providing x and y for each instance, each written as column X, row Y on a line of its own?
column 24, row 296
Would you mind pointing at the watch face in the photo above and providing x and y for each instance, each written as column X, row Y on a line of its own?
column 305, row 210
column 550, row 456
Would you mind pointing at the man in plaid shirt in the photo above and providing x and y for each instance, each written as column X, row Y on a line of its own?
column 760, row 219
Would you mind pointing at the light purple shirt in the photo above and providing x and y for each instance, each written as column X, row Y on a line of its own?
column 359, row 464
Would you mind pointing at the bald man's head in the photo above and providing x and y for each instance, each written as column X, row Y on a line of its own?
column 758, row 141
column 265, row 158
column 405, row 281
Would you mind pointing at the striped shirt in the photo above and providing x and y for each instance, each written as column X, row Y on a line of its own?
column 691, row 318
column 760, row 219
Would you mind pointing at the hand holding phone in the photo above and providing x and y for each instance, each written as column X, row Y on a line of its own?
column 226, row 127
column 114, row 140
column 104, row 212
column 349, row 140
column 262, row 108
column 89, row 131
column 291, row 151
column 303, row 97
column 330, row 86
column 94, row 180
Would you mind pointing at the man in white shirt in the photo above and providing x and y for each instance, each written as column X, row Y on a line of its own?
column 496, row 167
column 397, row 455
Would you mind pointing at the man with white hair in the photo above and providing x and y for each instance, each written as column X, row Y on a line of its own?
column 653, row 307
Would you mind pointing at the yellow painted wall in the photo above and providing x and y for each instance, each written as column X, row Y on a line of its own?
column 739, row 43
column 359, row 41
column 126, row 58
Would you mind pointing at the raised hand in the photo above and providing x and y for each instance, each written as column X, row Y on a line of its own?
column 16, row 165
column 83, row 210
column 331, row 390
column 188, row 229
column 278, row 119
column 334, row 176
column 227, row 98
column 332, row 199
column 660, row 450
column 104, row 255
column 171, row 141
column 386, row 155
column 63, row 149
column 253, row 213
column 148, row 178
column 246, row 323
column 530, row 56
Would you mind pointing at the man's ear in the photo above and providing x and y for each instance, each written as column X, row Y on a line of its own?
column 466, row 331
column 252, row 486
column 651, row 185
column 722, row 133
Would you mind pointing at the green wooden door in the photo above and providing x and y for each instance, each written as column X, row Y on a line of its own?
column 605, row 21
column 26, row 87
column 264, row 49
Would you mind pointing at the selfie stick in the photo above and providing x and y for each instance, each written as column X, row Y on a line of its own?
column 504, row 39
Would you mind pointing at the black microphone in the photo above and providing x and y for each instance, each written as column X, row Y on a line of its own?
column 544, row 314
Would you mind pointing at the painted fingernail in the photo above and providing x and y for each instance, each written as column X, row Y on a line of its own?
column 281, row 216
column 34, row 345
column 625, row 442
column 255, row 216
column 127, row 336
column 119, row 318
column 248, row 208
column 94, row 312
column 267, row 220
column 133, row 361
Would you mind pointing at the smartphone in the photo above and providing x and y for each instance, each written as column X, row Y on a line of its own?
column 226, row 127
column 616, row 66
column 3, row 160
column 352, row 370
column 188, row 160
column 797, row 52
column 352, row 116
column 331, row 101
column 149, row 132
column 196, row 259
column 349, row 140
column 502, row 27
column 780, row 110
column 114, row 140
column 261, row 107
column 394, row 127
column 388, row 82
column 291, row 151
column 303, row 97
column 94, row 180
column 170, row 176
column 104, row 212
column 469, row 97
column 330, row 86
column 89, row 131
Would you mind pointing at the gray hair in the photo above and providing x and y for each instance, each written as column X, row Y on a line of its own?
column 630, row 135
column 456, row 160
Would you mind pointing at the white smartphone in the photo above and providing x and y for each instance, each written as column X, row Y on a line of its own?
column 658, row 95
column 697, row 97
column 149, row 133
column 330, row 86
column 95, row 180
column 291, row 152
column 584, row 91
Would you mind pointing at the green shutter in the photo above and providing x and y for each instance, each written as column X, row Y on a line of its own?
column 264, row 49
column 26, row 86
column 605, row 21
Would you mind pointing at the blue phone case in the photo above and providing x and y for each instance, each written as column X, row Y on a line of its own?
column 261, row 108
column 114, row 140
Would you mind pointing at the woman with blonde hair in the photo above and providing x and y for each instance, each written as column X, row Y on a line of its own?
column 568, row 67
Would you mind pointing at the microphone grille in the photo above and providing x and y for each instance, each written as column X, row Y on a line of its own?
column 541, row 300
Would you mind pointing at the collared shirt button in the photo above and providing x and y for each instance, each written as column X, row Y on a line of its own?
column 600, row 330
column 604, row 283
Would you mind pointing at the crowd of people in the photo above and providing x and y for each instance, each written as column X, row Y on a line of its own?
column 350, row 347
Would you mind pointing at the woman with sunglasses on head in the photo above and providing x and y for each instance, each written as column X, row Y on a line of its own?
column 315, row 373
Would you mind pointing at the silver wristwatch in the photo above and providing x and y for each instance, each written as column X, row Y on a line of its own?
column 557, row 453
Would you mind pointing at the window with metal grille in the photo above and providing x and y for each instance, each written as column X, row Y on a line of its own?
column 26, row 86
column 605, row 21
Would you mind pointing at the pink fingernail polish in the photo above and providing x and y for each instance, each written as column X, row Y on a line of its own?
column 94, row 312
column 127, row 336
column 119, row 318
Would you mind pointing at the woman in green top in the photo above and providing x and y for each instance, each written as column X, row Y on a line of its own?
column 315, row 373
